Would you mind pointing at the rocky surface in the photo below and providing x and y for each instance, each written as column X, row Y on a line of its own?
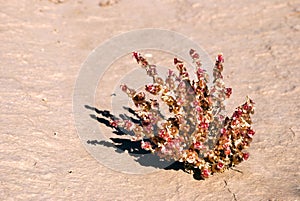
column 43, row 44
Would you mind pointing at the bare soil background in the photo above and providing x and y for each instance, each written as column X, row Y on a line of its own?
column 43, row 44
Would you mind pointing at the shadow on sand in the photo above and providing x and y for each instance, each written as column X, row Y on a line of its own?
column 133, row 148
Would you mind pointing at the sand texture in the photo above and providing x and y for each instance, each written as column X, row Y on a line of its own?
column 44, row 43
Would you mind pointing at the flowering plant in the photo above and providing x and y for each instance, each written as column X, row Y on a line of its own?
column 195, row 131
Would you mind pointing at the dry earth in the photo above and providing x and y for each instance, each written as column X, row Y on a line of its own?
column 43, row 44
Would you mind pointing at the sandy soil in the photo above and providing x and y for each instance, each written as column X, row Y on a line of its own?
column 43, row 44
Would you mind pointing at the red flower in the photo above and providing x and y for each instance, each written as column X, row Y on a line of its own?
column 237, row 114
column 228, row 92
column 205, row 173
column 198, row 145
column 246, row 107
column 146, row 145
column 251, row 133
column 113, row 123
column 136, row 55
column 220, row 165
column 204, row 125
column 220, row 58
column 177, row 61
column 227, row 151
column 245, row 156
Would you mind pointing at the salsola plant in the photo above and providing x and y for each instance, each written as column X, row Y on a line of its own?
column 196, row 130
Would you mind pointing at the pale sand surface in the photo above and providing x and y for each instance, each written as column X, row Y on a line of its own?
column 43, row 45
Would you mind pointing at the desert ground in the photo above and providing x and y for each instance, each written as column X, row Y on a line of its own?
column 43, row 46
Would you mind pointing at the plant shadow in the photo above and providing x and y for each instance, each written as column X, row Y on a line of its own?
column 121, row 144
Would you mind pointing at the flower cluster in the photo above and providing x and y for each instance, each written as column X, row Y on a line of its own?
column 196, row 130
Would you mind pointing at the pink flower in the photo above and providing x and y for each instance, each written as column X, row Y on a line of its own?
column 200, row 72
column 198, row 63
column 223, row 131
column 182, row 85
column 184, row 134
column 146, row 145
column 199, row 109
column 150, row 88
column 163, row 134
column 180, row 101
column 192, row 51
column 237, row 114
column 124, row 87
column 195, row 103
column 128, row 125
column 170, row 72
column 195, row 56
column 148, row 128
